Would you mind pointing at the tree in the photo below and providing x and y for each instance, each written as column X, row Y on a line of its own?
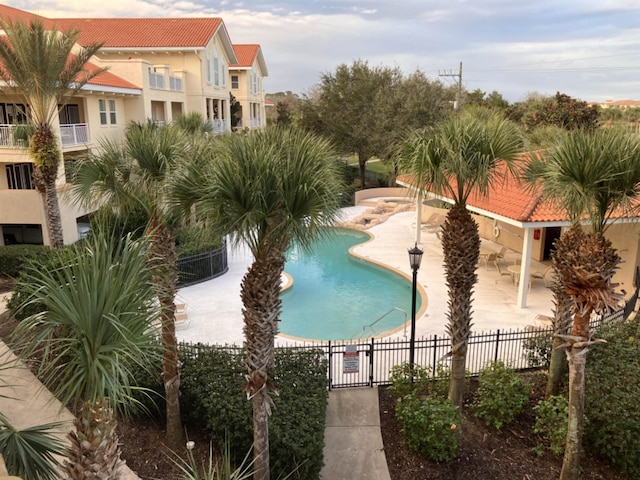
column 194, row 124
column 266, row 189
column 39, row 66
column 593, row 174
column 137, row 174
column 235, row 111
column 93, row 336
column 560, row 110
column 458, row 157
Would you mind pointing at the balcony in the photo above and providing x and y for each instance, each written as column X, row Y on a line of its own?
column 74, row 134
column 219, row 125
column 158, row 81
column 70, row 134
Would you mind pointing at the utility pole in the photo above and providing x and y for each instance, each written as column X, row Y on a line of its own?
column 449, row 73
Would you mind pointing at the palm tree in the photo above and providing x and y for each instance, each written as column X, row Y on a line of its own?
column 460, row 156
column 267, row 189
column 92, row 337
column 39, row 66
column 136, row 174
column 594, row 175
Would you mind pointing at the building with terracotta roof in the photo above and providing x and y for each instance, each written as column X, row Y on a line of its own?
column 517, row 216
column 158, row 69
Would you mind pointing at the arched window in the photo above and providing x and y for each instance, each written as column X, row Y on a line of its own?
column 216, row 67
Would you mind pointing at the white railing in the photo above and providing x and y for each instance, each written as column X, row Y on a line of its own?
column 74, row 134
column 156, row 80
column 255, row 122
column 7, row 137
column 219, row 125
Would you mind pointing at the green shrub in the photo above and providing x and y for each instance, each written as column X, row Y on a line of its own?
column 439, row 386
column 537, row 350
column 192, row 240
column 501, row 396
column 611, row 396
column 401, row 384
column 552, row 416
column 429, row 426
column 14, row 257
column 211, row 383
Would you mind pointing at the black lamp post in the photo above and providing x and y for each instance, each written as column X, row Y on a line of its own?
column 415, row 257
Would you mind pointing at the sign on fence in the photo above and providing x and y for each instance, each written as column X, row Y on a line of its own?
column 351, row 359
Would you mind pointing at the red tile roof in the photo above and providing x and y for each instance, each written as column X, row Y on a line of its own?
column 14, row 14
column 246, row 55
column 108, row 79
column 144, row 32
column 511, row 198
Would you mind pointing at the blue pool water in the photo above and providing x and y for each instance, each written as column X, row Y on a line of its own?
column 336, row 296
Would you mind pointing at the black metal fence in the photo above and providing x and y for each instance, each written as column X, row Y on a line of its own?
column 202, row 266
column 368, row 362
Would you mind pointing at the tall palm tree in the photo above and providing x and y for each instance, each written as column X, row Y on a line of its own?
column 133, row 174
column 266, row 189
column 592, row 175
column 44, row 67
column 460, row 156
column 91, row 339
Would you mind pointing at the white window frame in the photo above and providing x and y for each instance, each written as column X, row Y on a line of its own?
column 102, row 107
column 235, row 84
column 216, row 67
column 113, row 118
column 208, row 67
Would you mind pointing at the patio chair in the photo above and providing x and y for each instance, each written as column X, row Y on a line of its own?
column 501, row 254
column 502, row 272
column 547, row 276
column 488, row 258
column 182, row 316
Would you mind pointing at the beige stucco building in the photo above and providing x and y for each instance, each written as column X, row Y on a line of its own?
column 158, row 69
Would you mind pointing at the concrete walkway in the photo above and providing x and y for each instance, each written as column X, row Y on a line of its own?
column 352, row 439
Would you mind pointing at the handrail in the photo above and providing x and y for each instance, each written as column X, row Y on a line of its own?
column 370, row 326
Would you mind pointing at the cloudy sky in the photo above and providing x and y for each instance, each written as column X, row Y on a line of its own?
column 589, row 49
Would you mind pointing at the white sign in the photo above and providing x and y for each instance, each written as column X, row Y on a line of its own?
column 351, row 359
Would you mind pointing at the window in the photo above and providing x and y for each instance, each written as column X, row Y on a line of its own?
column 216, row 67
column 208, row 68
column 112, row 112
column 235, row 82
column 224, row 75
column 102, row 104
column 19, row 176
column 69, row 114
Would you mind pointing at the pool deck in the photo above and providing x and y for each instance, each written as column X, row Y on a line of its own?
column 215, row 308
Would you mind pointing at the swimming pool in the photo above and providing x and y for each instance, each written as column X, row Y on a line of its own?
column 337, row 297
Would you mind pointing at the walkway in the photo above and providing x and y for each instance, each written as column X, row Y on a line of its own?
column 352, row 439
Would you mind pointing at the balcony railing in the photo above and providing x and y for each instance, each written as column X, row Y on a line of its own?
column 70, row 134
column 158, row 81
column 255, row 122
column 74, row 134
column 219, row 125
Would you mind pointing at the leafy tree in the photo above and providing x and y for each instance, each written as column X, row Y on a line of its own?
column 266, row 189
column 284, row 115
column 561, row 110
column 593, row 174
column 236, row 111
column 45, row 69
column 94, row 335
column 457, row 157
column 132, row 176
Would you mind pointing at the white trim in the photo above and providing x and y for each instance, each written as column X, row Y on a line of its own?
column 106, row 89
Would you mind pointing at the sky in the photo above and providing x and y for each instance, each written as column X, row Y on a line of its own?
column 588, row 49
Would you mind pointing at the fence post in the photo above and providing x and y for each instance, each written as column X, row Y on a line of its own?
column 330, row 353
column 371, row 347
column 435, row 354
column 495, row 357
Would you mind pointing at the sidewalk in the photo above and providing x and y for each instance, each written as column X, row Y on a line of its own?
column 352, row 439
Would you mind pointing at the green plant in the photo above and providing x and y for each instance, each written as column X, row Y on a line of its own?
column 537, row 350
column 429, row 426
column 214, row 469
column 501, row 396
column 439, row 386
column 611, row 396
column 401, row 384
column 14, row 257
column 552, row 415
column 29, row 453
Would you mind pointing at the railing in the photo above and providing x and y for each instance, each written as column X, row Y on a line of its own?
column 156, row 80
column 7, row 137
column 255, row 122
column 175, row 84
column 374, row 358
column 379, row 319
column 74, row 134
column 219, row 125
column 202, row 266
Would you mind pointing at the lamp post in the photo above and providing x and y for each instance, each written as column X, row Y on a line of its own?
column 415, row 257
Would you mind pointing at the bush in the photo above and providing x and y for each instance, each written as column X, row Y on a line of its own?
column 501, row 396
column 401, row 384
column 429, row 426
column 612, row 392
column 14, row 257
column 211, row 383
column 439, row 386
column 552, row 417
column 537, row 350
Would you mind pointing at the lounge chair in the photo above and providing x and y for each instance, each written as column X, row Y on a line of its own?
column 547, row 276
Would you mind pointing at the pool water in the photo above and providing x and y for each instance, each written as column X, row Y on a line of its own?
column 337, row 297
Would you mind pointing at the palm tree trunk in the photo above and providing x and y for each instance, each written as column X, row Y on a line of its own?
column 461, row 246
column 162, row 257
column 571, row 462
column 262, row 306
column 562, row 319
